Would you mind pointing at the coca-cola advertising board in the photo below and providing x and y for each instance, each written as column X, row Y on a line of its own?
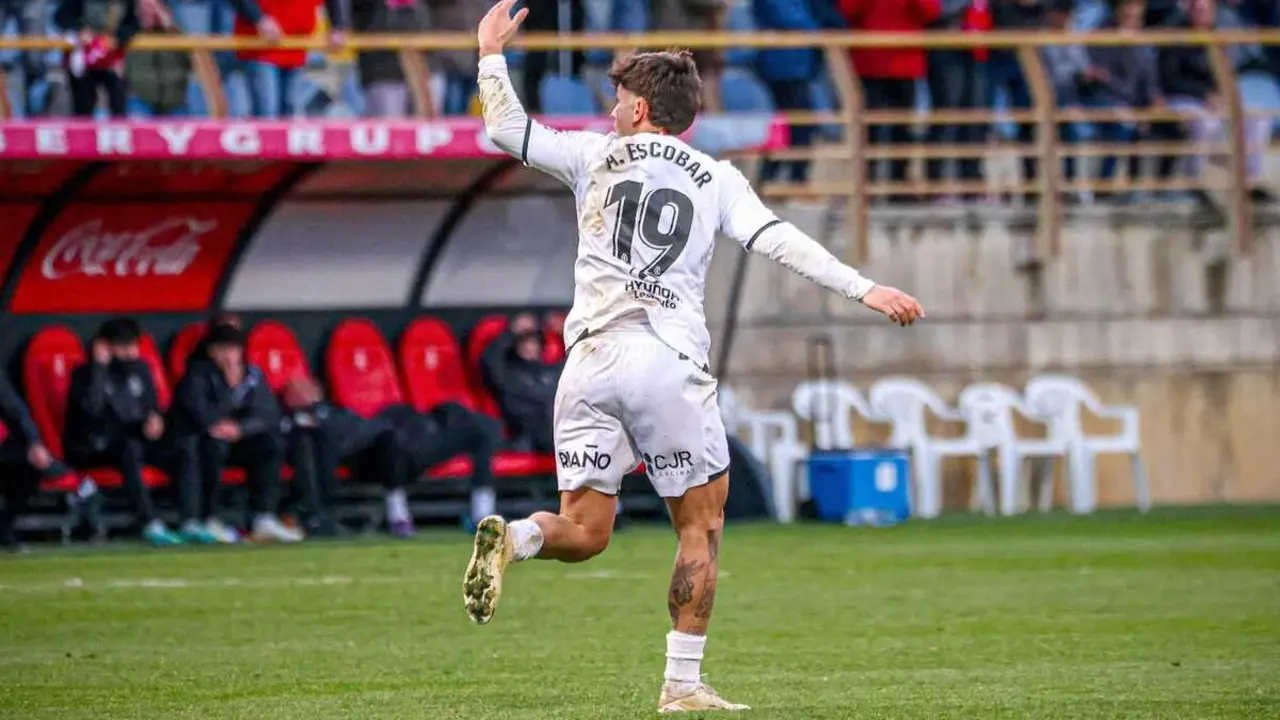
column 14, row 219
column 131, row 257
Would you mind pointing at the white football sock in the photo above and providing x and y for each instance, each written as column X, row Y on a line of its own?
column 483, row 503
column 684, row 659
column 398, row 506
column 526, row 538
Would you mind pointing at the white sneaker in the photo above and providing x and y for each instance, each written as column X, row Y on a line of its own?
column 221, row 532
column 482, row 585
column 675, row 699
column 268, row 528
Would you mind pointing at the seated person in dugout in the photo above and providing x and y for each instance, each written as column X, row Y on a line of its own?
column 224, row 413
column 321, row 437
column 523, row 383
column 24, row 462
column 114, row 421
column 395, row 447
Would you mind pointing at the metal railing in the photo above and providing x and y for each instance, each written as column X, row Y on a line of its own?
column 853, row 148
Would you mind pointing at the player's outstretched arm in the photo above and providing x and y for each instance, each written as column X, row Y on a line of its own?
column 746, row 219
column 505, row 119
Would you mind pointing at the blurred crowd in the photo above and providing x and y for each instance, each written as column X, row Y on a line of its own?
column 224, row 414
column 279, row 83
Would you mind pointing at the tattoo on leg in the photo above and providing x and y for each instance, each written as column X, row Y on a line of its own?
column 713, row 544
column 708, row 599
column 681, row 593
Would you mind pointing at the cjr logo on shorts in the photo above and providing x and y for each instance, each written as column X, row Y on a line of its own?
column 591, row 457
column 668, row 465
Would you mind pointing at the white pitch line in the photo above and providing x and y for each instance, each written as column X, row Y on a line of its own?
column 180, row 583
column 177, row 583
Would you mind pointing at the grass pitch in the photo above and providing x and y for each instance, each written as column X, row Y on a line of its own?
column 1172, row 616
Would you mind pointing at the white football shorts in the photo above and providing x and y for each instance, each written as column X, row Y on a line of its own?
column 626, row 397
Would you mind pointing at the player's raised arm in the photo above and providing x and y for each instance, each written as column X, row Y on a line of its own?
column 746, row 219
column 509, row 126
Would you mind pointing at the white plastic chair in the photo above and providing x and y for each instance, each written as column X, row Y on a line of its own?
column 828, row 404
column 988, row 408
column 1059, row 399
column 906, row 402
column 774, row 439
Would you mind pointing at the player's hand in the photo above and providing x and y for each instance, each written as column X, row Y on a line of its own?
column 228, row 430
column 498, row 27
column 523, row 324
column 892, row 302
column 39, row 457
column 153, row 428
column 269, row 28
column 101, row 352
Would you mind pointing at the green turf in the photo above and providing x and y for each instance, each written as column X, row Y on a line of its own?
column 1174, row 616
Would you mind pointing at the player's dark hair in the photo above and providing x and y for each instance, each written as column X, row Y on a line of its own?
column 668, row 81
column 120, row 331
column 224, row 335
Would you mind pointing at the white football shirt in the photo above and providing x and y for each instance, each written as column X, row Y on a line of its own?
column 649, row 209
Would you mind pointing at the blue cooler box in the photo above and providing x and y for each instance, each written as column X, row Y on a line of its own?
column 863, row 486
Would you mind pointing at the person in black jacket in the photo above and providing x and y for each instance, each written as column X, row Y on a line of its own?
column 24, row 461
column 224, row 413
column 1189, row 84
column 113, row 421
column 523, row 383
column 104, row 29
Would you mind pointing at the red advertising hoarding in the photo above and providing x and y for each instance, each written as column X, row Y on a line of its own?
column 131, row 257
column 14, row 220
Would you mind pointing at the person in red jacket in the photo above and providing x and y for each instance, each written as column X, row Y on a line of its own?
column 889, row 76
column 271, row 74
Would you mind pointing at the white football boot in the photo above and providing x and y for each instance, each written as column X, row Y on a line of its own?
column 482, row 585
column 699, row 699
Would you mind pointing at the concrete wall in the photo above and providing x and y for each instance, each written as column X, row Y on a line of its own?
column 1149, row 307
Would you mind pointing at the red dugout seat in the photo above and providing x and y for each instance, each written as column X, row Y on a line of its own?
column 184, row 342
column 362, row 373
column 432, row 365
column 52, row 355
column 553, row 350
column 274, row 348
column 481, row 337
column 363, row 379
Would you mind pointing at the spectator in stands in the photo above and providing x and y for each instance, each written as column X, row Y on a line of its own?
column 547, row 16
column 272, row 74
column 113, row 421
column 224, row 413
column 703, row 15
column 158, row 81
column 385, row 92
column 524, row 384
column 102, row 32
column 1004, row 72
column 1072, row 74
column 790, row 72
column 958, row 81
column 24, row 461
column 455, row 70
column 1128, row 79
column 28, row 20
column 1190, row 85
column 889, row 75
